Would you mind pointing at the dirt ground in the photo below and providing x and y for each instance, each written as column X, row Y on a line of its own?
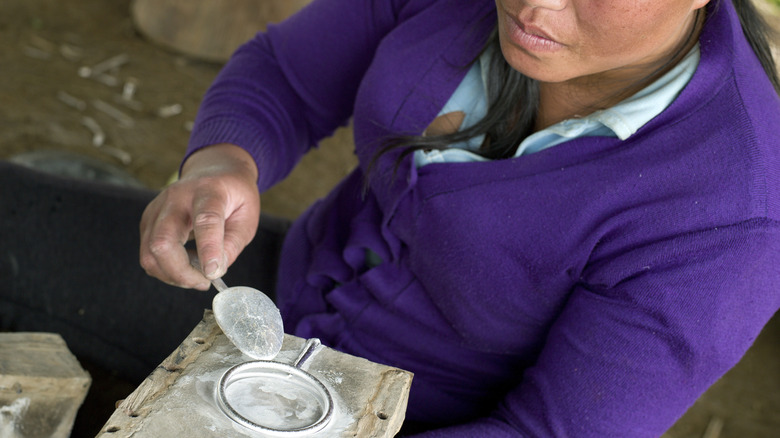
column 47, row 105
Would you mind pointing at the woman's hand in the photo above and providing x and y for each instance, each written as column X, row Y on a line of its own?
column 216, row 202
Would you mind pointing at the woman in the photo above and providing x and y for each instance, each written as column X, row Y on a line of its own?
column 568, row 228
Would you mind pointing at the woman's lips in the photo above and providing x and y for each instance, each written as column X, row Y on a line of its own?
column 530, row 37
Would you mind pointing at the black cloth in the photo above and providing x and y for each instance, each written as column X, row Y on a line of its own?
column 69, row 265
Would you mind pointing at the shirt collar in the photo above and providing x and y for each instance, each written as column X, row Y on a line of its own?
column 625, row 118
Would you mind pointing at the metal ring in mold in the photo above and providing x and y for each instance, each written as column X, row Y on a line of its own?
column 286, row 384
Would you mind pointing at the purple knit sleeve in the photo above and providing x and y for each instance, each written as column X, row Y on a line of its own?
column 644, row 337
column 293, row 85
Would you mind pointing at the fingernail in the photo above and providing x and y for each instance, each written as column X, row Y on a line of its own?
column 211, row 269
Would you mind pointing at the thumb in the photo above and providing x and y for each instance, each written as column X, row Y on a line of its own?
column 240, row 229
column 208, row 225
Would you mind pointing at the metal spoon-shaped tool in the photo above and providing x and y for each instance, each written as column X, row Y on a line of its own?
column 248, row 318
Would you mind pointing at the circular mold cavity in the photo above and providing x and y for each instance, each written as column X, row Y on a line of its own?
column 274, row 398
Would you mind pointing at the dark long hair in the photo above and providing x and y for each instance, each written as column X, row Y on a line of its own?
column 513, row 98
column 759, row 34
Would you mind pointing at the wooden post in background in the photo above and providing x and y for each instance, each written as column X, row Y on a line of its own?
column 208, row 29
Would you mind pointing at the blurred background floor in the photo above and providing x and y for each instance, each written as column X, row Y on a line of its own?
column 141, row 106
column 133, row 120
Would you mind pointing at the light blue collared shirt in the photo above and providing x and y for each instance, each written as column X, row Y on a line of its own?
column 621, row 120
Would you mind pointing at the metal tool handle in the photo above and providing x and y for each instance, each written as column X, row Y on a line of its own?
column 309, row 348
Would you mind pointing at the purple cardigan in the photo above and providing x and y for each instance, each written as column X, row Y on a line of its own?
column 596, row 288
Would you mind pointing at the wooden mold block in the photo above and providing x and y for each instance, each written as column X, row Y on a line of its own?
column 42, row 386
column 178, row 397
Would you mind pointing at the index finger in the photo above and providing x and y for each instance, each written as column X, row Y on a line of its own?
column 164, row 232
